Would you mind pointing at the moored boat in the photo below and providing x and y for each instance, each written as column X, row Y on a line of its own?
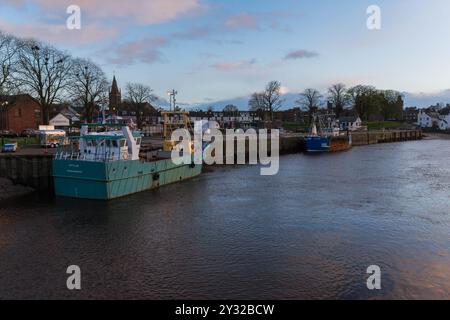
column 326, row 139
column 107, row 165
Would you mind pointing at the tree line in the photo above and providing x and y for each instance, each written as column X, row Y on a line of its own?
column 367, row 102
column 53, row 76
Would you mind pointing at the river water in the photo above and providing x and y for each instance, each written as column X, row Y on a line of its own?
column 308, row 233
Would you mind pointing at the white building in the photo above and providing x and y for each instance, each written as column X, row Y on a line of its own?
column 60, row 121
column 428, row 120
column 244, row 118
column 444, row 122
column 353, row 123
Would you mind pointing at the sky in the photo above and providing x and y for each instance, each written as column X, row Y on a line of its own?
column 219, row 51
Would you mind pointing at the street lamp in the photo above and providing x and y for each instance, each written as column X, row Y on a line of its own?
column 172, row 98
column 4, row 106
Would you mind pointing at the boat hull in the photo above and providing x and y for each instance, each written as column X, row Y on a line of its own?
column 341, row 143
column 115, row 179
column 317, row 144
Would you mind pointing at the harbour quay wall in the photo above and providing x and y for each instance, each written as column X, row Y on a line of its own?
column 288, row 144
column 384, row 136
column 33, row 171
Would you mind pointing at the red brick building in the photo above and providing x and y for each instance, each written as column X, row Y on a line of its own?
column 19, row 112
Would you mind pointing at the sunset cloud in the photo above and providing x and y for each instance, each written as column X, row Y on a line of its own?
column 242, row 20
column 141, row 11
column 145, row 50
column 101, row 20
column 234, row 65
column 59, row 34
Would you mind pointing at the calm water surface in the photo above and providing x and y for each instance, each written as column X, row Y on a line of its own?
column 309, row 232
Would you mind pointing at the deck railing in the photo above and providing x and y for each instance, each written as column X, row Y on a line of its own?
column 77, row 156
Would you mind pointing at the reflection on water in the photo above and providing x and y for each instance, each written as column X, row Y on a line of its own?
column 309, row 232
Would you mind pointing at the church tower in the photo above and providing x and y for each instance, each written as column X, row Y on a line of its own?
column 115, row 97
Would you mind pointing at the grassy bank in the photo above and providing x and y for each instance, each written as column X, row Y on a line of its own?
column 22, row 141
column 295, row 125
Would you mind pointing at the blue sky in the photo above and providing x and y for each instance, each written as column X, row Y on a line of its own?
column 221, row 50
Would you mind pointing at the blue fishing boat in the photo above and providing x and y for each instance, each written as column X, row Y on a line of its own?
column 328, row 138
column 107, row 164
column 316, row 142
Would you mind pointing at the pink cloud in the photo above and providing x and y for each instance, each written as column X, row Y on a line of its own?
column 242, row 20
column 141, row 11
column 145, row 50
column 193, row 34
column 234, row 65
column 59, row 34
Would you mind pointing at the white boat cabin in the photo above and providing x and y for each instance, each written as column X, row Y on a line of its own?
column 109, row 146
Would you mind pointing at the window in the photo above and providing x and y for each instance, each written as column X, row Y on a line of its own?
column 18, row 112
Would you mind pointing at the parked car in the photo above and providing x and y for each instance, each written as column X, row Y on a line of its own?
column 10, row 147
column 30, row 133
column 8, row 133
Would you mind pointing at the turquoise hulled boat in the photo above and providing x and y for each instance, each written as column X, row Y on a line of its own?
column 107, row 165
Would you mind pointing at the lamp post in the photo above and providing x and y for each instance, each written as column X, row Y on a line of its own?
column 172, row 98
column 4, row 106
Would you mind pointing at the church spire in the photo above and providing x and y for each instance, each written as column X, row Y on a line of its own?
column 115, row 96
column 114, row 87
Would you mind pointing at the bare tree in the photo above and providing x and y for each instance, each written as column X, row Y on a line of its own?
column 269, row 100
column 256, row 104
column 272, row 97
column 310, row 99
column 139, row 96
column 43, row 71
column 337, row 95
column 89, row 86
column 8, row 50
column 256, row 101
column 231, row 110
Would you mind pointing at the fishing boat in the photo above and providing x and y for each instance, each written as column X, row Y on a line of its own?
column 106, row 164
column 327, row 138
column 315, row 142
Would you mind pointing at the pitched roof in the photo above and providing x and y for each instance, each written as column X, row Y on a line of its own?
column 348, row 119
column 11, row 99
